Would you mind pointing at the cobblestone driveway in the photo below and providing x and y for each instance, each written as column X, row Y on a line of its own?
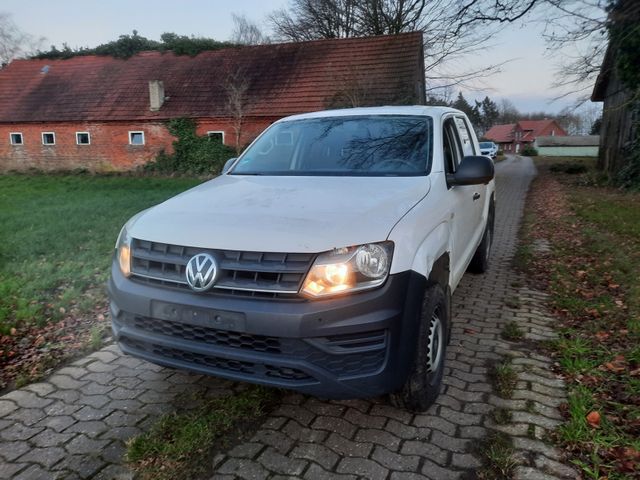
column 75, row 423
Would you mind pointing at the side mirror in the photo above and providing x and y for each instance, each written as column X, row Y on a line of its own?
column 473, row 170
column 227, row 164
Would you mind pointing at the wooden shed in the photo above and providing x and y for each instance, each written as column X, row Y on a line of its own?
column 617, row 130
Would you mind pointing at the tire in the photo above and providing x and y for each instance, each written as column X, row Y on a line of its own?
column 480, row 261
column 425, row 380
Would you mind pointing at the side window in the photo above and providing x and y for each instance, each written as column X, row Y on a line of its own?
column 465, row 136
column 451, row 146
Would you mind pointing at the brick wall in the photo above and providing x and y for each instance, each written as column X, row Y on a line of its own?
column 251, row 128
column 109, row 148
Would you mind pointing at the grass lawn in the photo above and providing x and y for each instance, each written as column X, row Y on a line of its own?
column 592, row 275
column 56, row 241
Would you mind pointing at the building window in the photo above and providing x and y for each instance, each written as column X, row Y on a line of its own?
column 216, row 135
column 83, row 138
column 553, row 133
column 48, row 138
column 136, row 138
column 16, row 138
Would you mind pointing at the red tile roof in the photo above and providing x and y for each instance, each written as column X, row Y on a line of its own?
column 501, row 133
column 283, row 79
column 534, row 128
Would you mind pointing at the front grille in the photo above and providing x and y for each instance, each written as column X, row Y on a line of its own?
column 343, row 355
column 261, row 274
column 212, row 336
column 257, row 370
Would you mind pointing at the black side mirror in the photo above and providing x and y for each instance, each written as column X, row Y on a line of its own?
column 473, row 170
column 227, row 164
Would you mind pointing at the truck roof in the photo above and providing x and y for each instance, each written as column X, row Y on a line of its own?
column 387, row 110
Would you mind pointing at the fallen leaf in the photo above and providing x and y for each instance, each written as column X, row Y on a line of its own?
column 602, row 336
column 614, row 367
column 593, row 419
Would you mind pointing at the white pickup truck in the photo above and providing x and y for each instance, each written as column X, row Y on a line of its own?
column 323, row 259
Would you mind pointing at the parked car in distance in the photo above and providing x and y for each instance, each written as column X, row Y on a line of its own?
column 489, row 149
column 322, row 260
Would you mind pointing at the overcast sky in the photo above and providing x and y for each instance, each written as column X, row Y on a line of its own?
column 526, row 80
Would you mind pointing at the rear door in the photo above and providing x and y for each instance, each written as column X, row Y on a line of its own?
column 461, row 199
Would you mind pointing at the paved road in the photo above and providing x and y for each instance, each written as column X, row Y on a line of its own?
column 74, row 424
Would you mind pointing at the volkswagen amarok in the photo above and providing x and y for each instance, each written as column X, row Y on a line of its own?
column 322, row 260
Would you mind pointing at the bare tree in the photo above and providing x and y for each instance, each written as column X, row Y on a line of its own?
column 578, row 121
column 236, row 87
column 13, row 41
column 353, row 90
column 383, row 17
column 508, row 112
column 448, row 34
column 314, row 19
column 247, row 32
column 575, row 32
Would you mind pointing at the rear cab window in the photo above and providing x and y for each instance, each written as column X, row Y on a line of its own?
column 466, row 138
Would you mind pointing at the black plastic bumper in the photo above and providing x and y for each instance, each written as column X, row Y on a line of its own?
column 359, row 345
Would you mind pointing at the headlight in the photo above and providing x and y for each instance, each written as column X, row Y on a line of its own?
column 123, row 251
column 349, row 269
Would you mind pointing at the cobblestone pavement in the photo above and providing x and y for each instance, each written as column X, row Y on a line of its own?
column 74, row 424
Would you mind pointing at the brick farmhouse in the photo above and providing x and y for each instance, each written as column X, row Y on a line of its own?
column 512, row 137
column 103, row 113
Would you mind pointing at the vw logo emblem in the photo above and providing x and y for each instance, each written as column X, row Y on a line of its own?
column 202, row 271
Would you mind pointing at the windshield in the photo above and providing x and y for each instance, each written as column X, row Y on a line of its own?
column 486, row 145
column 354, row 145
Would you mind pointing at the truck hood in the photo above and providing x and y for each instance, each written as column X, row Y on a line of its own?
column 282, row 213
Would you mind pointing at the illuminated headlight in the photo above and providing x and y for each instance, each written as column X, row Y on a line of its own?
column 123, row 251
column 349, row 269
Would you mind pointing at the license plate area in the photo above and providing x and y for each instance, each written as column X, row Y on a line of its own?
column 203, row 317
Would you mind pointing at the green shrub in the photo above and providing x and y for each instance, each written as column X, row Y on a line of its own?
column 529, row 151
column 192, row 154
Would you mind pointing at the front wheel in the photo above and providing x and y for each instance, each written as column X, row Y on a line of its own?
column 423, row 385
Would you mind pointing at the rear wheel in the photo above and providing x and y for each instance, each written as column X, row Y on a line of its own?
column 423, row 385
column 480, row 261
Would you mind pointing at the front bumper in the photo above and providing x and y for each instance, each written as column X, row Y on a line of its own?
column 359, row 345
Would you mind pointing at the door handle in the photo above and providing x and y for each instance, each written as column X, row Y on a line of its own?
column 476, row 196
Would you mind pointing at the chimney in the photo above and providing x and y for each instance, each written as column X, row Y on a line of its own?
column 156, row 95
